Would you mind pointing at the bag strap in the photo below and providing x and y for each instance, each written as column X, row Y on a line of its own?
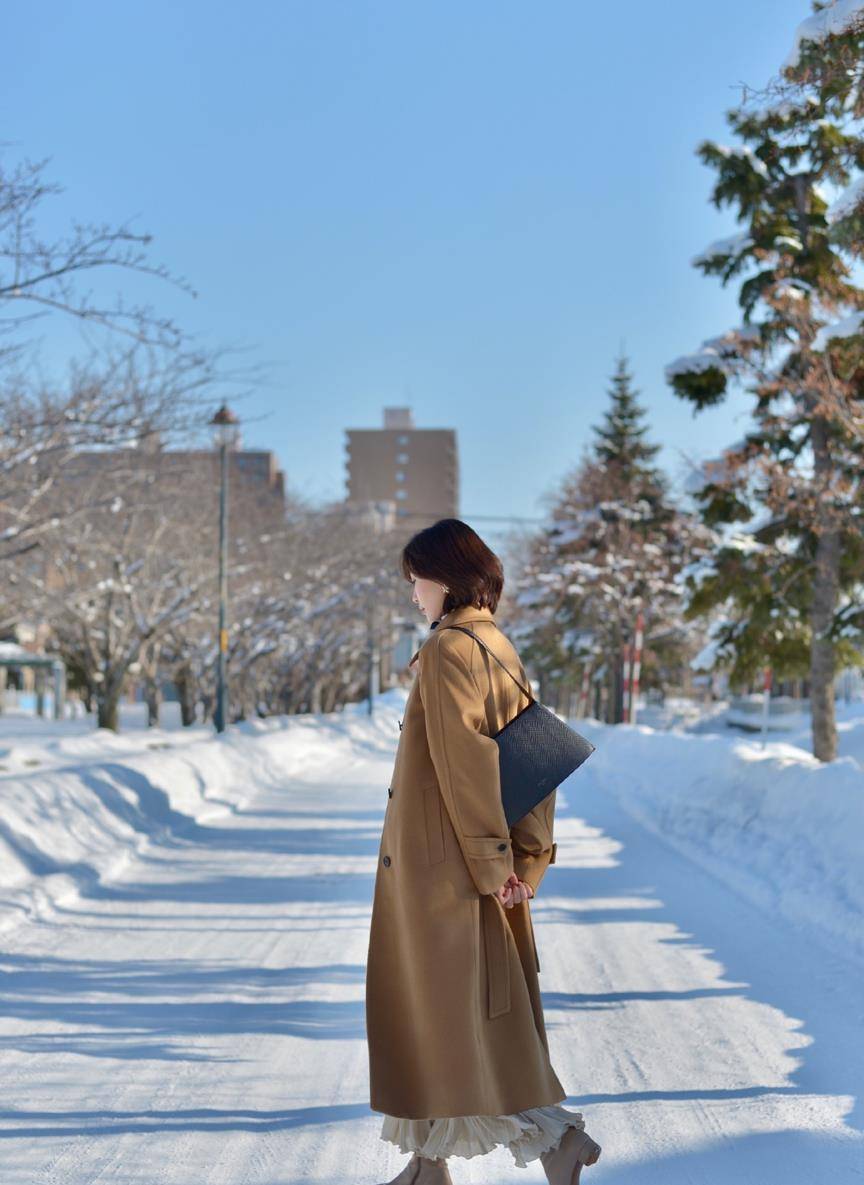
column 471, row 633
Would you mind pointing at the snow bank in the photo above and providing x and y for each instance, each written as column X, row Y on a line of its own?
column 783, row 829
column 79, row 803
column 778, row 826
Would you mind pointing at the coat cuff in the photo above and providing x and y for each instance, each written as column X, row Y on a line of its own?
column 531, row 868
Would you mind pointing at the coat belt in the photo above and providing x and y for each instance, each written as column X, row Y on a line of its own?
column 495, row 937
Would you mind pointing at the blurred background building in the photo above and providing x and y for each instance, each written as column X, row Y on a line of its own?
column 413, row 472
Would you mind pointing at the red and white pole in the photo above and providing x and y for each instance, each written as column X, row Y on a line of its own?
column 626, row 660
column 637, row 664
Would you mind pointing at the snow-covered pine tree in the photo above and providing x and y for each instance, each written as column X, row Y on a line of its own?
column 614, row 546
column 791, row 581
column 621, row 443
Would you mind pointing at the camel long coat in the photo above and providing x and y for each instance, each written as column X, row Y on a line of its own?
column 454, row 1020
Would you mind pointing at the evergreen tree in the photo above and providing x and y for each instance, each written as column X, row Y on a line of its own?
column 790, row 583
column 614, row 547
column 621, row 438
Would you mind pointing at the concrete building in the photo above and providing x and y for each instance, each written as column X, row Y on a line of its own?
column 414, row 469
column 254, row 472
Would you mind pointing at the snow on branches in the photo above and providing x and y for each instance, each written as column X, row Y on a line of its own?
column 833, row 20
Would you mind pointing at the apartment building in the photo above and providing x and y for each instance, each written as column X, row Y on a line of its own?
column 411, row 472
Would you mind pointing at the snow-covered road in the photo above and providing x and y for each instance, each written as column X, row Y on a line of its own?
column 199, row 1017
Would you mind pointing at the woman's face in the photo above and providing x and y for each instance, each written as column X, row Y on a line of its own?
column 429, row 597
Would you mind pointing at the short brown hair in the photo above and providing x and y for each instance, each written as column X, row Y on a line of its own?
column 453, row 553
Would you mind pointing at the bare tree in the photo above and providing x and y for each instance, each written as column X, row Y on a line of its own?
column 40, row 276
column 112, row 582
column 122, row 402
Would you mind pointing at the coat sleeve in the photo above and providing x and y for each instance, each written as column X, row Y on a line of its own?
column 533, row 849
column 466, row 763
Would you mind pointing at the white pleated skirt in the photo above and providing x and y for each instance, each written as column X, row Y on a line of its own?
column 525, row 1134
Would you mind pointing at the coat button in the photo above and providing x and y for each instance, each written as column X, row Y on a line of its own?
column 389, row 791
column 386, row 861
column 502, row 847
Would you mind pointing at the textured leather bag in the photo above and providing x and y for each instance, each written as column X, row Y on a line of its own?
column 536, row 750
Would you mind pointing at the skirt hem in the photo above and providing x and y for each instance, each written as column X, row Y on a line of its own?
column 526, row 1134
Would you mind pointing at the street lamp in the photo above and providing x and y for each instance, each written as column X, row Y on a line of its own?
column 224, row 425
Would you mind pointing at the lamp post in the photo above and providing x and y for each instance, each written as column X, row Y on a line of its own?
column 224, row 425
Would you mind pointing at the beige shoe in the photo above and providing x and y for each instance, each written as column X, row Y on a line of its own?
column 421, row 1171
column 564, row 1164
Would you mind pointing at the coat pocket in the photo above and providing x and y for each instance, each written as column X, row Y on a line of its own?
column 433, row 808
column 486, row 847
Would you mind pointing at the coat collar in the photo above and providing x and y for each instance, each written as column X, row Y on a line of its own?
column 461, row 615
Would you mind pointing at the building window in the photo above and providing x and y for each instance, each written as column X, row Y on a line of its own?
column 401, row 458
column 401, row 493
column 401, row 439
column 400, row 476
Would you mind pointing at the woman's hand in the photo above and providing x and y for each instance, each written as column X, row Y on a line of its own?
column 514, row 891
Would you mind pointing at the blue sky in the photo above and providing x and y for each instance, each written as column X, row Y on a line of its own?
column 462, row 207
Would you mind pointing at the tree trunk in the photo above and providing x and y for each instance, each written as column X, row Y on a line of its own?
column 826, row 579
column 618, row 689
column 186, row 691
column 822, row 710
column 152, row 699
column 615, row 665
column 107, row 710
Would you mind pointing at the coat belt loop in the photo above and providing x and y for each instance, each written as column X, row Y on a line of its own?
column 497, row 956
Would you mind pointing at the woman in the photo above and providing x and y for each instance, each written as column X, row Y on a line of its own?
column 458, row 1055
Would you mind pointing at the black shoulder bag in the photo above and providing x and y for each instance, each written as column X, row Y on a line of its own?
column 536, row 750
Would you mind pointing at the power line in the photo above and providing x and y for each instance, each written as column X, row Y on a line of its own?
column 348, row 509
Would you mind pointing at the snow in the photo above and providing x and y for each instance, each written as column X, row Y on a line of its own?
column 834, row 19
column 79, row 803
column 785, row 109
column 707, row 359
column 756, row 163
column 707, row 657
column 743, row 541
column 696, row 480
column 722, row 249
column 573, row 530
column 790, row 241
column 10, row 651
column 717, row 353
column 846, row 203
column 847, row 327
column 793, row 289
column 731, row 342
column 187, row 923
column 786, row 829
